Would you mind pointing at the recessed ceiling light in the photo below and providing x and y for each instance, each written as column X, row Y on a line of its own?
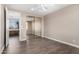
column 32, row 9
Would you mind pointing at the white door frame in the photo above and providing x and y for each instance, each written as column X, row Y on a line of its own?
column 7, row 27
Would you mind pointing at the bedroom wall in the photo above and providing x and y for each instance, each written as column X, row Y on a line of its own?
column 63, row 25
column 1, row 28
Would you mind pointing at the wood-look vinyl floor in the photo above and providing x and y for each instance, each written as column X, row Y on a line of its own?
column 38, row 45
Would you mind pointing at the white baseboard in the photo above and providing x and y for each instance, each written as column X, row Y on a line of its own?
column 37, row 35
column 2, row 50
column 74, row 45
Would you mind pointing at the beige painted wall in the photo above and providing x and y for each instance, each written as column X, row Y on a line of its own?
column 63, row 25
column 1, row 27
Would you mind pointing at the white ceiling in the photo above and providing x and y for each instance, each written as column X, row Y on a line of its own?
column 36, row 9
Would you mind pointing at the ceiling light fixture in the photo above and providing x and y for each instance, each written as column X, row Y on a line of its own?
column 46, row 6
column 43, row 7
column 32, row 9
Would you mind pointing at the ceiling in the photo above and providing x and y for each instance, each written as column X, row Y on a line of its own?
column 36, row 9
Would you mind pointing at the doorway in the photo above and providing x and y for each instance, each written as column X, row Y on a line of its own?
column 34, row 25
column 29, row 27
column 12, row 26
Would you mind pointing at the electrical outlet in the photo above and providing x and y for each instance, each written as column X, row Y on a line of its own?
column 74, row 40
